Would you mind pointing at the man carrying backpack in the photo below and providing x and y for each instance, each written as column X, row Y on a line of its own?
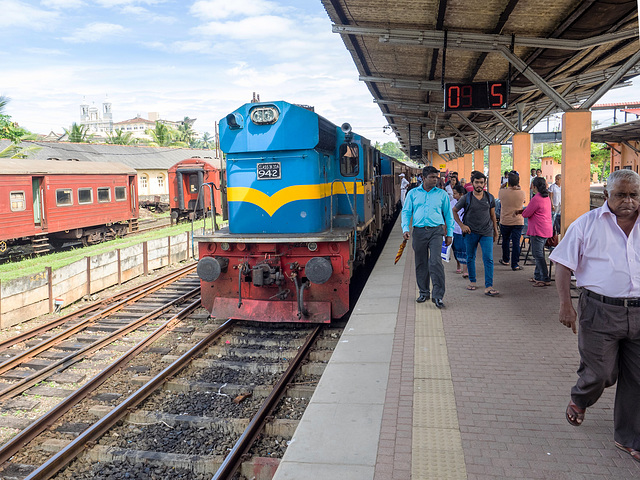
column 479, row 226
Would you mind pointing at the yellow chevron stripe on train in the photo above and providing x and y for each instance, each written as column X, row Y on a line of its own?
column 285, row 163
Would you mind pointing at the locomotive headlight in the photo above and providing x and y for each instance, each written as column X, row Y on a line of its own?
column 312, row 246
column 264, row 115
column 225, row 246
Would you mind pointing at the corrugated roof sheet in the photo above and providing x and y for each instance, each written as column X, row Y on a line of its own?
column 136, row 157
column 28, row 166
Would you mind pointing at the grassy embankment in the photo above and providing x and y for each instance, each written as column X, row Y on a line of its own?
column 31, row 266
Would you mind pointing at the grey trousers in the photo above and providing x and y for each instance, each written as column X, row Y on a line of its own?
column 609, row 344
column 427, row 244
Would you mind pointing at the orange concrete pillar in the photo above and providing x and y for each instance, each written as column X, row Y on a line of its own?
column 522, row 160
column 456, row 165
column 468, row 167
column 495, row 161
column 576, row 165
column 478, row 160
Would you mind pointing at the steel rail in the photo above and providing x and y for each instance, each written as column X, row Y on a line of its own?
column 233, row 460
column 93, row 433
column 24, row 384
column 8, row 343
column 50, row 342
column 11, row 447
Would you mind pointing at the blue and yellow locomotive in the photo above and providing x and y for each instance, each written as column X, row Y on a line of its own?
column 306, row 201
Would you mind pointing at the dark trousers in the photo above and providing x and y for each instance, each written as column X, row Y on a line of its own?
column 609, row 344
column 427, row 245
column 511, row 237
column 541, row 272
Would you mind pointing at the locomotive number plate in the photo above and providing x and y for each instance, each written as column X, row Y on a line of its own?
column 269, row 171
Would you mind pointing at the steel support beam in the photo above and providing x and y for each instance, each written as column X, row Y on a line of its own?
column 535, row 78
column 604, row 88
column 462, row 135
column 505, row 121
column 474, row 127
column 478, row 41
column 405, row 83
column 423, row 107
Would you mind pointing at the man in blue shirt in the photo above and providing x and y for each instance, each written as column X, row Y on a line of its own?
column 431, row 211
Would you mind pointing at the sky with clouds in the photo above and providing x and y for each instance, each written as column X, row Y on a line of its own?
column 201, row 59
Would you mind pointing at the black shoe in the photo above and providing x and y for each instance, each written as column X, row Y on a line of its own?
column 422, row 298
column 438, row 302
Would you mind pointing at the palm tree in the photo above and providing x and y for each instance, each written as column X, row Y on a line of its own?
column 77, row 133
column 3, row 103
column 17, row 151
column 206, row 140
column 186, row 130
column 164, row 136
column 121, row 138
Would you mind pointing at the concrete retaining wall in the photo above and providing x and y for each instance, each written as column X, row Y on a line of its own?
column 27, row 297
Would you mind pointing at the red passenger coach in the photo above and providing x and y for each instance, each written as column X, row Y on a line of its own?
column 49, row 202
column 185, row 179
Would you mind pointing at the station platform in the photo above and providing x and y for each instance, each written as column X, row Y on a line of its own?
column 477, row 390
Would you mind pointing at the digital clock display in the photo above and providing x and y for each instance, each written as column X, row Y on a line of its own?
column 475, row 96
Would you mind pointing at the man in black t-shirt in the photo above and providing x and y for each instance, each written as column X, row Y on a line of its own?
column 479, row 226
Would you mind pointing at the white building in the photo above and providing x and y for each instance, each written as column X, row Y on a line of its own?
column 98, row 123
column 136, row 126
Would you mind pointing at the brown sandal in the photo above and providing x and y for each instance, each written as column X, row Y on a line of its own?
column 541, row 284
column 575, row 414
column 635, row 454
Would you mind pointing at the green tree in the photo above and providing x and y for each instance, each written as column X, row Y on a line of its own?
column 78, row 133
column 164, row 136
column 3, row 103
column 393, row 149
column 121, row 138
column 186, row 132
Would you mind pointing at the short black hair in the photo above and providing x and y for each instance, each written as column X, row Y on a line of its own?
column 460, row 189
column 513, row 179
column 477, row 175
column 429, row 169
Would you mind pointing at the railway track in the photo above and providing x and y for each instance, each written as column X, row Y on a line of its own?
column 207, row 405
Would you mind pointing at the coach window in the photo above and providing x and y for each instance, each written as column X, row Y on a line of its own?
column 121, row 194
column 349, row 166
column 63, row 197
column 104, row 194
column 193, row 183
column 17, row 201
column 85, row 195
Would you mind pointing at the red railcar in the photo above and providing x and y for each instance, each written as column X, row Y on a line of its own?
column 185, row 179
column 49, row 202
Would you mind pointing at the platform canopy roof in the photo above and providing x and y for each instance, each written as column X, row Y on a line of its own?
column 622, row 133
column 553, row 55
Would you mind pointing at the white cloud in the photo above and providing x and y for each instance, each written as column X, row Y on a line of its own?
column 219, row 9
column 96, row 32
column 262, row 28
column 63, row 4
column 146, row 14
column 44, row 51
column 23, row 15
column 193, row 47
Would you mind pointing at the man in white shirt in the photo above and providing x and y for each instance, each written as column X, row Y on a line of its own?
column 602, row 248
column 555, row 193
column 404, row 186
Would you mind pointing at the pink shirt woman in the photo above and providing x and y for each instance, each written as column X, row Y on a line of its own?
column 539, row 214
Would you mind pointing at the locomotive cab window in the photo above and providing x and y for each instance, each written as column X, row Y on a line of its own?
column 349, row 165
column 17, row 201
column 104, row 194
column 64, row 197
column 85, row 195
column 121, row 194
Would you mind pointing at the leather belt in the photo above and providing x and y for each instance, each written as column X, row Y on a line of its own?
column 620, row 302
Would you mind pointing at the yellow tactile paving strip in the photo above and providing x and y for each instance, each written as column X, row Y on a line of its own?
column 437, row 445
